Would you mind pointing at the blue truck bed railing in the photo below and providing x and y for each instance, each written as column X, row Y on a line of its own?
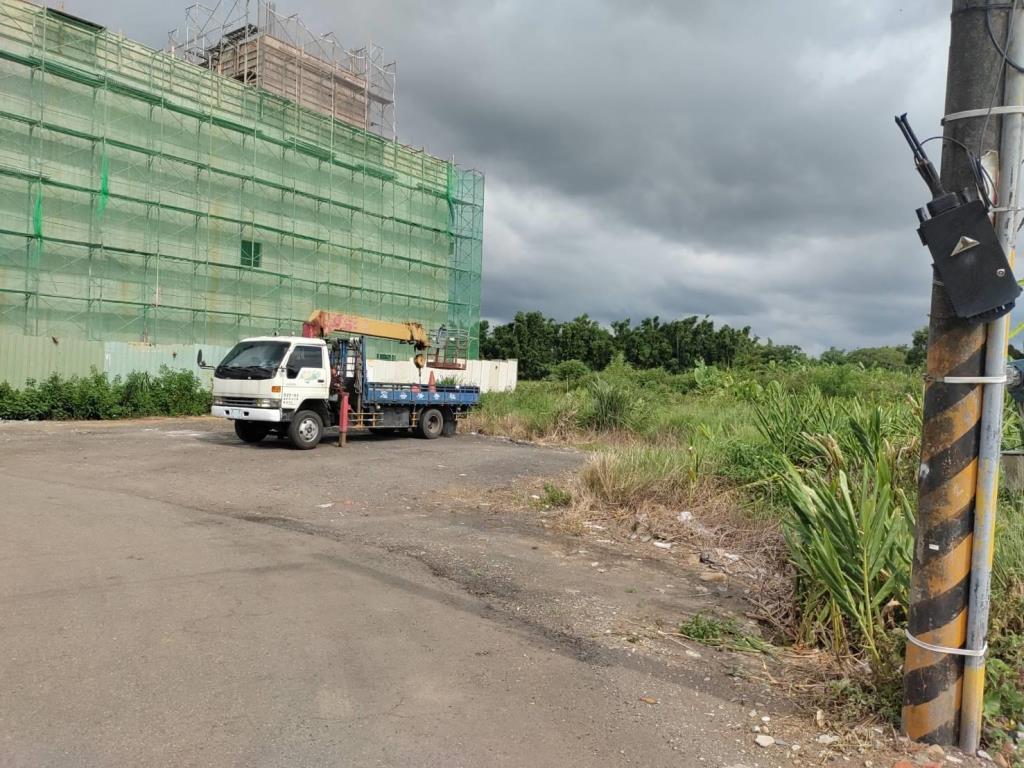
column 404, row 394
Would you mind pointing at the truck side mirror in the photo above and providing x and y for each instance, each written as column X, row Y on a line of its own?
column 200, row 362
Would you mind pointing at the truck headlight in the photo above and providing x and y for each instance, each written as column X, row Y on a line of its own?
column 218, row 401
column 268, row 403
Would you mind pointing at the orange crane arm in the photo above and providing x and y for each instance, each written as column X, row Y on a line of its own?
column 321, row 323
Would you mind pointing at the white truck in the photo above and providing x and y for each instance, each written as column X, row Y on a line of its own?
column 296, row 386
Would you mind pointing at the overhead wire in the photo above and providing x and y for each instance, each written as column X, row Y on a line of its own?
column 991, row 35
column 999, row 70
column 1007, row 61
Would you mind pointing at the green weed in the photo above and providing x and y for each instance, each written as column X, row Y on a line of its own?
column 554, row 496
column 722, row 633
column 851, row 545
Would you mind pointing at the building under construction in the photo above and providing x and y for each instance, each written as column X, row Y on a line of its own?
column 152, row 203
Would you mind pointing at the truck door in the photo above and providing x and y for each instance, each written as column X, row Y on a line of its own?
column 306, row 376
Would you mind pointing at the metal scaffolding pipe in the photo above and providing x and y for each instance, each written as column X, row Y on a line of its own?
column 989, row 452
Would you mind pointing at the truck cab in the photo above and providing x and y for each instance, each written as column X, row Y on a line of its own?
column 265, row 382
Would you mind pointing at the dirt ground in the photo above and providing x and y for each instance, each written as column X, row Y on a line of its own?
column 172, row 596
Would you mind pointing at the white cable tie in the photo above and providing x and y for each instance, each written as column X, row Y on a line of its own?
column 942, row 649
column 974, row 379
column 1010, row 109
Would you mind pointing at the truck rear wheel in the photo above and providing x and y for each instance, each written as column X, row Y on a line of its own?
column 305, row 430
column 251, row 431
column 431, row 424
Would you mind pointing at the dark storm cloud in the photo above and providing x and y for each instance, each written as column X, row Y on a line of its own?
column 671, row 158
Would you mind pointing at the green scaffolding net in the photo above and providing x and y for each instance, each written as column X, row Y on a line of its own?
column 143, row 198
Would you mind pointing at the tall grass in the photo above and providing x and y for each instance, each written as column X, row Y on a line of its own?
column 611, row 407
column 829, row 453
column 639, row 476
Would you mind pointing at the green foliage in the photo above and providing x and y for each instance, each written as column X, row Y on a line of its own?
column 1004, row 671
column 878, row 695
column 833, row 356
column 555, row 497
column 851, row 544
column 1004, row 693
column 709, row 380
column 611, row 406
column 722, row 633
column 585, row 340
column 829, row 448
column 171, row 393
column 891, row 358
column 540, row 343
column 917, row 355
column 534, row 411
column 530, row 338
column 571, row 372
column 676, row 346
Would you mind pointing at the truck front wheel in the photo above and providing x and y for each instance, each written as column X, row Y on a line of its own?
column 251, row 431
column 305, row 430
column 431, row 424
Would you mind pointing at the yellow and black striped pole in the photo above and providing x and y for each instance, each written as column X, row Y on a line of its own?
column 940, row 579
column 951, row 433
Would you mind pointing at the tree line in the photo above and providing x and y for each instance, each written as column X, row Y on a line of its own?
column 539, row 343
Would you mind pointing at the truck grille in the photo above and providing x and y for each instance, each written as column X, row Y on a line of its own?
column 240, row 402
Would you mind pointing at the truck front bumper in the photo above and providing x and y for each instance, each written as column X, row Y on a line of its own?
column 246, row 414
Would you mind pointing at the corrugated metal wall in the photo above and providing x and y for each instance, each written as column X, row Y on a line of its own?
column 121, row 358
column 36, row 357
column 33, row 357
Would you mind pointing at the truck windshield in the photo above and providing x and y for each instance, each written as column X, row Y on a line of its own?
column 252, row 360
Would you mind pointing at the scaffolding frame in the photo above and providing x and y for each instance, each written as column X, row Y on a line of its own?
column 131, row 179
column 253, row 43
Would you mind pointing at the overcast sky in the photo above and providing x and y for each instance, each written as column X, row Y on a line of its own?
column 662, row 157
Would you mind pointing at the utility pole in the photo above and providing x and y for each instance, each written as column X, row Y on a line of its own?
column 950, row 438
column 990, row 451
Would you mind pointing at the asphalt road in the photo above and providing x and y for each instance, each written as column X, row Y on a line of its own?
column 171, row 597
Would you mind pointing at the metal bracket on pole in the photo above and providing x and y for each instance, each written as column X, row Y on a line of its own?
column 943, row 649
column 985, row 112
column 974, row 379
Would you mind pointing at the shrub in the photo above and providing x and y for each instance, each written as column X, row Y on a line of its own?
column 611, row 406
column 571, row 372
column 852, row 550
column 710, row 380
column 171, row 393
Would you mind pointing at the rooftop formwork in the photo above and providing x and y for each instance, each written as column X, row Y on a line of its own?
column 145, row 198
column 248, row 40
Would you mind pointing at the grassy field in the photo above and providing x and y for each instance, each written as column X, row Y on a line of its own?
column 811, row 468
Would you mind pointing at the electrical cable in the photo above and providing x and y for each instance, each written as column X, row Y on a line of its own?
column 999, row 70
column 991, row 35
column 982, row 179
